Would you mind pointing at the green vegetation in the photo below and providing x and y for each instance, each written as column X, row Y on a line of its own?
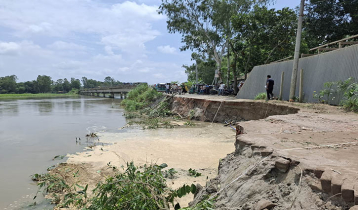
column 170, row 174
column 136, row 188
column 233, row 36
column 332, row 90
column 140, row 97
column 39, row 95
column 45, row 84
column 207, row 204
column 189, row 123
column 261, row 96
column 148, row 105
column 194, row 173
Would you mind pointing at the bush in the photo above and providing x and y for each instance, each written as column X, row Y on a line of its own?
column 261, row 96
column 349, row 89
column 140, row 97
column 350, row 94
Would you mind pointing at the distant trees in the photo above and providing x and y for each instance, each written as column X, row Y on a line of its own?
column 240, row 34
column 330, row 20
column 45, row 84
column 8, row 84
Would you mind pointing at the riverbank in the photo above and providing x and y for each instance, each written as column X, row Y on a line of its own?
column 39, row 95
column 306, row 155
column 181, row 148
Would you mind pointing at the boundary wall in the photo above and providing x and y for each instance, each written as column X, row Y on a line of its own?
column 333, row 66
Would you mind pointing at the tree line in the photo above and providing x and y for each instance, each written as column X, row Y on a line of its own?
column 45, row 84
column 233, row 36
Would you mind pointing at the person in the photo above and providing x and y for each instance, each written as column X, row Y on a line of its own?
column 180, row 90
column 221, row 89
column 269, row 87
column 184, row 88
column 167, row 88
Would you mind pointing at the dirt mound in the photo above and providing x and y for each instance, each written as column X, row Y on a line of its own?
column 247, row 180
column 221, row 111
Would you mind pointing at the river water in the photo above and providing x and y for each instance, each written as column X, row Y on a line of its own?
column 33, row 131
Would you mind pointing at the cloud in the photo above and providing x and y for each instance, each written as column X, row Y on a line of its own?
column 167, row 49
column 92, row 38
column 69, row 65
column 60, row 45
column 126, row 26
column 9, row 48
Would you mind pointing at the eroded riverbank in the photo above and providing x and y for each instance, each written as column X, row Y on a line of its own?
column 181, row 148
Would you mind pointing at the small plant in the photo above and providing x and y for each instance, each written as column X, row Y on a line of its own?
column 58, row 157
column 350, row 94
column 261, row 96
column 194, row 173
column 170, row 174
column 206, row 204
column 325, row 95
column 191, row 114
column 131, row 115
column 167, row 124
column 189, row 123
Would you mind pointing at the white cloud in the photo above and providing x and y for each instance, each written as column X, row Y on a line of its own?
column 9, row 48
column 69, row 65
column 145, row 70
column 92, row 38
column 60, row 45
column 127, row 25
column 166, row 49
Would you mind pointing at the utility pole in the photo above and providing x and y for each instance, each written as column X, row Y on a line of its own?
column 228, row 66
column 297, row 52
column 196, row 72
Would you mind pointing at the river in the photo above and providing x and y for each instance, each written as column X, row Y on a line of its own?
column 33, row 131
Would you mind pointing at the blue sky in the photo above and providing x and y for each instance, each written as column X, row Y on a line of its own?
column 126, row 40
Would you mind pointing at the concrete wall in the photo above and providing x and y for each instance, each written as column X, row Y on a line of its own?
column 328, row 67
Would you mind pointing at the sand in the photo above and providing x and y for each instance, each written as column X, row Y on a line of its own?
column 200, row 147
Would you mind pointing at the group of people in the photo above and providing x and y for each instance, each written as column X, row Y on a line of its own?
column 175, row 88
column 222, row 90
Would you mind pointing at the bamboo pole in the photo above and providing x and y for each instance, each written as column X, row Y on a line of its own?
column 281, row 87
column 297, row 52
column 301, row 86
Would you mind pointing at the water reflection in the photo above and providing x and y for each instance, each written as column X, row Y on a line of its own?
column 9, row 109
column 34, row 131
column 45, row 107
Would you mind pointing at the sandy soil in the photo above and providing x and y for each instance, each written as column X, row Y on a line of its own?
column 200, row 147
column 318, row 135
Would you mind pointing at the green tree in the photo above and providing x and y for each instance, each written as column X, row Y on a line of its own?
column 44, row 83
column 206, row 69
column 66, row 85
column 109, row 81
column 75, row 83
column 330, row 20
column 8, row 84
column 263, row 35
column 58, row 85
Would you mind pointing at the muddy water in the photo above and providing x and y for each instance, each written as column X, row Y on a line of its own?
column 33, row 131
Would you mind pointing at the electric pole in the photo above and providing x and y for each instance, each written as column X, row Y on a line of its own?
column 297, row 52
column 196, row 72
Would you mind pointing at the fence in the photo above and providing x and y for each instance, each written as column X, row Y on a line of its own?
column 333, row 66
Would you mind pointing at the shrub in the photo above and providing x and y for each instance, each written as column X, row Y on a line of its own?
column 350, row 94
column 261, row 96
column 136, row 188
column 140, row 97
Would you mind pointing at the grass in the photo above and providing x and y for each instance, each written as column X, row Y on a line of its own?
column 260, row 96
column 39, row 95
column 140, row 97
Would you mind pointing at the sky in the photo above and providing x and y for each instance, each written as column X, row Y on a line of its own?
column 127, row 40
